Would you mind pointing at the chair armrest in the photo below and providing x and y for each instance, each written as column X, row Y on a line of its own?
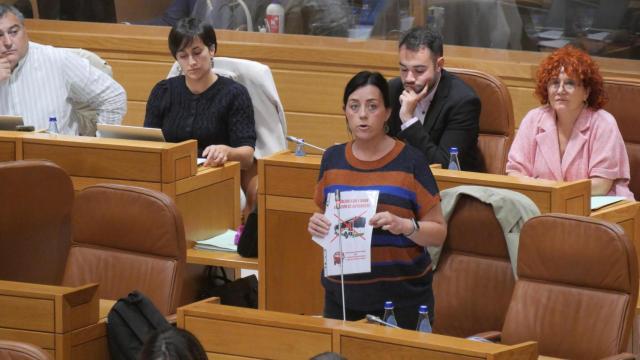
column 493, row 336
column 622, row 356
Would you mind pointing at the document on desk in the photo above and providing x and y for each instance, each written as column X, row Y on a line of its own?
column 349, row 226
column 598, row 202
column 222, row 242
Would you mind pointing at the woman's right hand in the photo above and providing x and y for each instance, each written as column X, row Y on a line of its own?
column 318, row 225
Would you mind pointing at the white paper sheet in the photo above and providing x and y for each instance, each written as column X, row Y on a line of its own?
column 222, row 242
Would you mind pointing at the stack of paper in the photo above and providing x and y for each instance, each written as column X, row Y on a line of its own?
column 222, row 242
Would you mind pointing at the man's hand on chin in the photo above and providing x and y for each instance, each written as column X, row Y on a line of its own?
column 409, row 99
column 5, row 68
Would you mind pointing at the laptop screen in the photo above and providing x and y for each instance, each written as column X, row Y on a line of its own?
column 130, row 132
column 9, row 122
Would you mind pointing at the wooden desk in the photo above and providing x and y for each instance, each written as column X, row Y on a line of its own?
column 232, row 332
column 61, row 320
column 366, row 341
column 550, row 196
column 290, row 263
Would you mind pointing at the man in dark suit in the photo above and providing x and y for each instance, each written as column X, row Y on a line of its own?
column 433, row 110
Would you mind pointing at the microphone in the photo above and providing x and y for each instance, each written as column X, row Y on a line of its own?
column 298, row 141
column 375, row 319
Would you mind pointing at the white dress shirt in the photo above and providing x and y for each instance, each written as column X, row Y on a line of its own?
column 49, row 81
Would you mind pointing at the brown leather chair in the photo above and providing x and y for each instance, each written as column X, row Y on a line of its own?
column 127, row 238
column 497, row 125
column 35, row 221
column 577, row 288
column 623, row 98
column 14, row 350
column 474, row 279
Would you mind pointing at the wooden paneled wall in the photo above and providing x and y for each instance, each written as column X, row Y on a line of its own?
column 310, row 72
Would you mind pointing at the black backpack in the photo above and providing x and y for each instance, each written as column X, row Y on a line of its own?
column 131, row 320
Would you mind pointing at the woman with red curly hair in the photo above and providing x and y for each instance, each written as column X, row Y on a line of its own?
column 570, row 137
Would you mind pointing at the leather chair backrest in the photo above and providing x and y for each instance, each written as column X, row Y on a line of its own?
column 577, row 288
column 623, row 98
column 497, row 125
column 474, row 279
column 35, row 221
column 14, row 350
column 127, row 238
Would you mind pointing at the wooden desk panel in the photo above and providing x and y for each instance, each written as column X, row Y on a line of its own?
column 365, row 341
column 250, row 333
column 61, row 320
column 113, row 158
column 233, row 333
column 550, row 196
column 10, row 145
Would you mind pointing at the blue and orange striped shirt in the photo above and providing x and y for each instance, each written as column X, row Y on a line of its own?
column 400, row 268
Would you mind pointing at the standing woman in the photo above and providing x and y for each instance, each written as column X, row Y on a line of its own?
column 570, row 137
column 408, row 215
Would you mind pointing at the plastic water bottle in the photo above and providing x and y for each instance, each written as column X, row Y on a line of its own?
column 454, row 164
column 389, row 315
column 275, row 17
column 53, row 125
column 300, row 148
column 423, row 319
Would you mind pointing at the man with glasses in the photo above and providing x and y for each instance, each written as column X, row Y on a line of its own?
column 433, row 110
column 39, row 81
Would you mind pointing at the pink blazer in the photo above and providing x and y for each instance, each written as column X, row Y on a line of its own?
column 595, row 149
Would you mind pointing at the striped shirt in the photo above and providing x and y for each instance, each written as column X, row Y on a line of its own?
column 52, row 82
column 400, row 268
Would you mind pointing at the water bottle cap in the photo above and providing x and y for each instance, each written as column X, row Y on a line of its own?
column 52, row 118
column 388, row 305
column 453, row 150
column 423, row 309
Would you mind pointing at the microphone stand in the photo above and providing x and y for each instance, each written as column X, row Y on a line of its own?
column 344, row 307
column 298, row 141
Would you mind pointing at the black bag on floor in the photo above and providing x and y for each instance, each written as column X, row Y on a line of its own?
column 241, row 292
column 131, row 320
column 248, row 242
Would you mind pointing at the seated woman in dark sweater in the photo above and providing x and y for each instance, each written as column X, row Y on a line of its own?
column 200, row 105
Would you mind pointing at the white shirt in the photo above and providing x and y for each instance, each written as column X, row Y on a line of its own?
column 421, row 109
column 50, row 81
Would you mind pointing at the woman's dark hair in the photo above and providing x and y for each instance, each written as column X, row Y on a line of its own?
column 172, row 344
column 364, row 78
column 183, row 32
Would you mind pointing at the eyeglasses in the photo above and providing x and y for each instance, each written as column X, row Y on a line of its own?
column 370, row 107
column 569, row 85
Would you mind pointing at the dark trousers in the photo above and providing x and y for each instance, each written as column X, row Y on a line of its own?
column 407, row 316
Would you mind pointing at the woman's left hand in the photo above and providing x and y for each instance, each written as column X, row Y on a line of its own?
column 216, row 155
column 392, row 223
